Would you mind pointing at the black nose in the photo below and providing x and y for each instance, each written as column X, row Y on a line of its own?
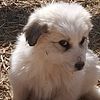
column 79, row 65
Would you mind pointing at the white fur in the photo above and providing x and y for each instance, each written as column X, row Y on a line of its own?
column 33, row 70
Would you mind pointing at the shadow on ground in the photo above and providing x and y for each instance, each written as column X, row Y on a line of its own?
column 12, row 20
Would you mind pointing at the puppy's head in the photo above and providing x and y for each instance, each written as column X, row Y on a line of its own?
column 59, row 34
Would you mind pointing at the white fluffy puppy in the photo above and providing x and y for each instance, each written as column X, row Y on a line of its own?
column 51, row 60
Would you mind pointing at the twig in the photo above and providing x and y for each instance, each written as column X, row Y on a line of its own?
column 2, row 25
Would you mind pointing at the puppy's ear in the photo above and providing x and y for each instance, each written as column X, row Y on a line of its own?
column 33, row 32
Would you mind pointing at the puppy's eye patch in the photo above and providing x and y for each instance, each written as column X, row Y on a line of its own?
column 65, row 44
column 82, row 41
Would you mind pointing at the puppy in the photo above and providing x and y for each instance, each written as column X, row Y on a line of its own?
column 52, row 60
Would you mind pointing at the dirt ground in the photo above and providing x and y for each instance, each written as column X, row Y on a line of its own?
column 13, row 16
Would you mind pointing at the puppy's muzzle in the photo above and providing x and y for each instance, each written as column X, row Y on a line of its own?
column 79, row 65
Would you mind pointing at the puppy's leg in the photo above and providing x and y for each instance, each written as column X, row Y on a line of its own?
column 93, row 94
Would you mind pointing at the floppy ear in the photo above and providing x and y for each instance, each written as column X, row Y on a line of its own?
column 33, row 32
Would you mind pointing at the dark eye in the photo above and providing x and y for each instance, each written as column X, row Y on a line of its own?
column 82, row 41
column 64, row 44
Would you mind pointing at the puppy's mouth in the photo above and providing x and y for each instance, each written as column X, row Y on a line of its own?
column 79, row 66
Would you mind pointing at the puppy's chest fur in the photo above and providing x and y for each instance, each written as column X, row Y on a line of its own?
column 50, row 82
